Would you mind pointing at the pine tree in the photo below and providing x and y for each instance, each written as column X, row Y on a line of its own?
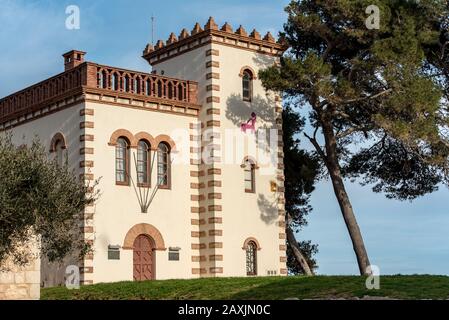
column 376, row 95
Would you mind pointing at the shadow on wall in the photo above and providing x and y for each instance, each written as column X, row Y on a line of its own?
column 239, row 112
column 263, row 62
column 268, row 209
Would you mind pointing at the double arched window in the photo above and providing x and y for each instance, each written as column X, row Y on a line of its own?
column 122, row 161
column 247, row 85
column 143, row 163
column 163, row 166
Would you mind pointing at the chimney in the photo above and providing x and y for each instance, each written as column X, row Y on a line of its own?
column 73, row 59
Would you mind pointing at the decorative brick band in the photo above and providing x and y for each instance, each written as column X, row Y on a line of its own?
column 216, row 257
column 198, row 246
column 282, row 259
column 211, row 111
column 196, row 197
column 216, row 233
column 196, row 126
column 87, row 270
column 86, row 164
column 213, row 99
column 199, row 271
column 214, row 183
column 87, row 151
column 212, row 75
column 215, row 220
column 195, row 162
column 213, row 123
column 195, row 138
column 282, row 247
column 214, row 208
column 86, row 124
column 212, row 52
column 283, row 271
column 198, row 258
column 197, row 186
column 86, row 112
column 214, row 195
column 213, row 87
column 197, row 222
column 197, row 173
column 212, row 64
column 217, row 245
column 86, row 137
column 215, row 270
column 198, row 234
column 214, row 171
column 86, row 176
column 282, row 236
column 197, row 209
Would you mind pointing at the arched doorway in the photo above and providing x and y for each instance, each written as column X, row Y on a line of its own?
column 144, row 239
column 143, row 258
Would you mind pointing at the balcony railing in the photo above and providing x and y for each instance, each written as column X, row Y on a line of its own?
column 98, row 77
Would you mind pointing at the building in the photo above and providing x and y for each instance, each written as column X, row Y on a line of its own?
column 174, row 203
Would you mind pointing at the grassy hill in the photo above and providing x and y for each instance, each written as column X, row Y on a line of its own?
column 270, row 288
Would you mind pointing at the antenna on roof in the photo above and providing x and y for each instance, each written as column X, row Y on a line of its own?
column 152, row 29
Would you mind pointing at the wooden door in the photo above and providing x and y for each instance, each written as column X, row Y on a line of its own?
column 143, row 258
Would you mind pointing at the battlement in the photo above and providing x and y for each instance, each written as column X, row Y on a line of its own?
column 211, row 33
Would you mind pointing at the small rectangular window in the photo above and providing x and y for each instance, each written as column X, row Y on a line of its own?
column 113, row 252
column 173, row 254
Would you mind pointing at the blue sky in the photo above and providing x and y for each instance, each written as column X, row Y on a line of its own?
column 401, row 237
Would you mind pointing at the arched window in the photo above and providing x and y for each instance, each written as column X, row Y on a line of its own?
column 121, row 161
column 251, row 258
column 143, row 163
column 163, row 166
column 59, row 152
column 247, row 85
column 250, row 176
column 58, row 147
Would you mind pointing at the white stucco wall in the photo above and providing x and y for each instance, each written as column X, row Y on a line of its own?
column 65, row 121
column 118, row 210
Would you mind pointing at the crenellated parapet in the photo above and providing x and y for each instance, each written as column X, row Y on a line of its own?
column 211, row 33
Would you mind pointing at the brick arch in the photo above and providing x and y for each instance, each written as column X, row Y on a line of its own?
column 122, row 133
column 250, row 159
column 58, row 137
column 165, row 138
column 245, row 244
column 145, row 229
column 148, row 138
column 242, row 70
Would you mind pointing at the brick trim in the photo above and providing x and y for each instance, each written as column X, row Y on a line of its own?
column 86, row 137
column 213, row 99
column 211, row 111
column 212, row 52
column 213, row 87
column 212, row 64
column 87, row 112
column 87, row 125
column 212, row 75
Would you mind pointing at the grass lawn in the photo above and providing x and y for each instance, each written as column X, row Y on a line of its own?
column 270, row 288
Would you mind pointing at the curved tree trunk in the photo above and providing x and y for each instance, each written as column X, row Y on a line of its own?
column 297, row 253
column 333, row 166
